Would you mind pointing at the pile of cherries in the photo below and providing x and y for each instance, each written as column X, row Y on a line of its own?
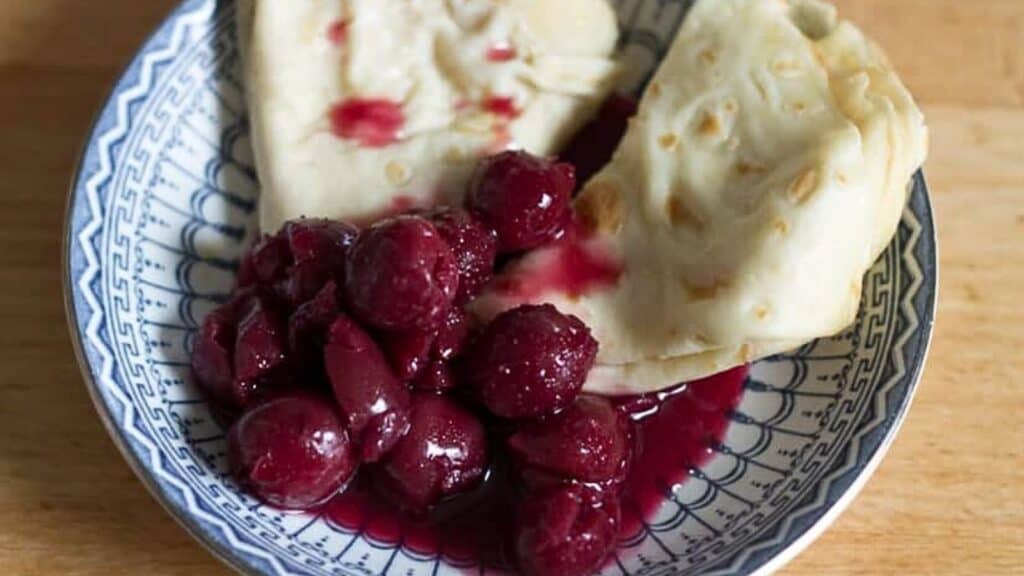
column 343, row 349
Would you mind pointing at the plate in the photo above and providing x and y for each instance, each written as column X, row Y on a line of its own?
column 164, row 203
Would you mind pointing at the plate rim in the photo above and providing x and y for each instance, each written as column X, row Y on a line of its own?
column 245, row 563
column 227, row 555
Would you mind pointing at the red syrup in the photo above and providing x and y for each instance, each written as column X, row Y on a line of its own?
column 677, row 431
column 469, row 529
column 503, row 106
column 501, row 52
column 372, row 122
column 337, row 32
column 574, row 265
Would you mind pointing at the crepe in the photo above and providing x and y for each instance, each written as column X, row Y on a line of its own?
column 766, row 170
column 464, row 78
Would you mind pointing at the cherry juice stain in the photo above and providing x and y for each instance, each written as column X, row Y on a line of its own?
column 573, row 265
column 501, row 52
column 503, row 106
column 337, row 32
column 372, row 122
column 677, row 431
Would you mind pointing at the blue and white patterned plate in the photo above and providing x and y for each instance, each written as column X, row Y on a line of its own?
column 163, row 205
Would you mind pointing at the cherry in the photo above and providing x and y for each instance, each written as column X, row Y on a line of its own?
column 260, row 350
column 451, row 335
column 240, row 350
column 531, row 361
column 213, row 356
column 436, row 376
column 524, row 198
column 565, row 530
column 307, row 329
column 444, row 453
column 373, row 402
column 318, row 249
column 292, row 452
column 401, row 276
column 590, row 441
column 266, row 262
column 474, row 245
column 409, row 352
column 297, row 261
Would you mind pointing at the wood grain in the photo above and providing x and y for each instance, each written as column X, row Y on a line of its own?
column 949, row 499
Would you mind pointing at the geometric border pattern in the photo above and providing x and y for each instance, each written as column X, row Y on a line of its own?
column 163, row 203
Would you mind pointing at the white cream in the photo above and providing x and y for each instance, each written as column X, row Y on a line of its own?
column 440, row 62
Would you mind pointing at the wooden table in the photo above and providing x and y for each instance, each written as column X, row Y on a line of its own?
column 949, row 499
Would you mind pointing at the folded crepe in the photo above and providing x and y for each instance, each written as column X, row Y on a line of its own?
column 766, row 169
column 360, row 108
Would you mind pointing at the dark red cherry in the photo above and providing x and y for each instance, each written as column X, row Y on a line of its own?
column 411, row 352
column 292, row 452
column 318, row 249
column 213, row 356
column 436, row 376
column 307, row 329
column 524, row 198
column 474, row 245
column 373, row 402
column 444, row 453
column 531, row 361
column 261, row 344
column 401, row 275
column 408, row 352
column 565, row 530
column 451, row 335
column 590, row 441
column 266, row 262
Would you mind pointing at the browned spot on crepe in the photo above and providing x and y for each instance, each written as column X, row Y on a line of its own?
column 780, row 226
column 803, row 187
column 600, row 207
column 784, row 67
column 668, row 141
column 706, row 291
column 398, row 174
column 797, row 107
column 454, row 154
column 679, row 214
column 710, row 126
column 745, row 168
column 761, row 90
column 818, row 54
column 746, row 353
column 702, row 340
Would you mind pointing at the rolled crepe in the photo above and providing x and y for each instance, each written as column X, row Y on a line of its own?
column 436, row 84
column 765, row 171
